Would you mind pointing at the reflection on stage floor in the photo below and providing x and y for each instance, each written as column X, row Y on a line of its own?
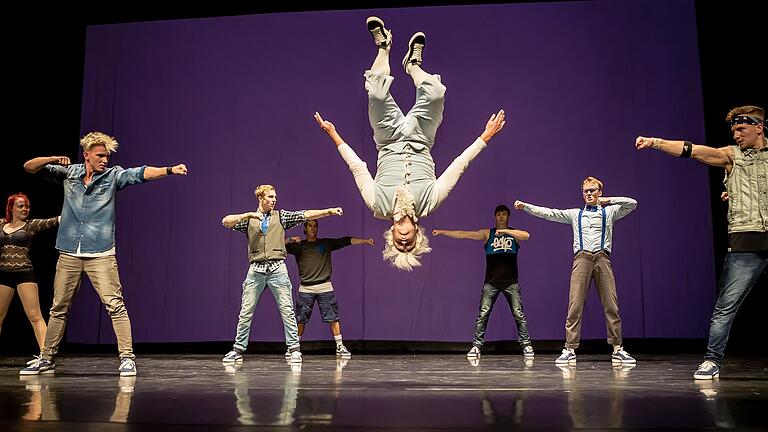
column 383, row 392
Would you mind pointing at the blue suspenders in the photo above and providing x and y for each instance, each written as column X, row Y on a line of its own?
column 602, row 232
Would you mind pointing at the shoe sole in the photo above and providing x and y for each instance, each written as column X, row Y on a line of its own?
column 563, row 362
column 45, row 372
column 410, row 47
column 529, row 355
column 627, row 362
column 240, row 360
column 344, row 356
column 706, row 377
column 373, row 19
column 126, row 374
column 473, row 356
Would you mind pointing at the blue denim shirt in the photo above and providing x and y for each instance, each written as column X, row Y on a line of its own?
column 88, row 216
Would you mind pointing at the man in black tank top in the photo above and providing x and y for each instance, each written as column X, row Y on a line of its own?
column 501, row 246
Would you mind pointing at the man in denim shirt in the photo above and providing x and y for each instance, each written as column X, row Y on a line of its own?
column 86, row 240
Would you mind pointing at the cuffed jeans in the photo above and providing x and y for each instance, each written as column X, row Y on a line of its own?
column 253, row 286
column 488, row 298
column 105, row 279
column 740, row 273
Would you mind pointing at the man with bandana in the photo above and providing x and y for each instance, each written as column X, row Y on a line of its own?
column 746, row 183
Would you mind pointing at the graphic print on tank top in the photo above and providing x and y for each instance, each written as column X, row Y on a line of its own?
column 501, row 258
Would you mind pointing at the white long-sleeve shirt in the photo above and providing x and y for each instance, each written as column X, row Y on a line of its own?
column 411, row 165
column 595, row 232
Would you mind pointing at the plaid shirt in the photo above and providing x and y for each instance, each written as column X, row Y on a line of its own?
column 288, row 219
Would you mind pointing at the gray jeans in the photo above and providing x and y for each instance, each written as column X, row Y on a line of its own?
column 490, row 294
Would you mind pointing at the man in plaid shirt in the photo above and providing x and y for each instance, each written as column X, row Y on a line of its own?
column 265, row 229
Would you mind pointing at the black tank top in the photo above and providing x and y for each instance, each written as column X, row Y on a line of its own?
column 501, row 258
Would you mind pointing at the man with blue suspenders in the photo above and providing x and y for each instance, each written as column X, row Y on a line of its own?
column 592, row 241
column 501, row 246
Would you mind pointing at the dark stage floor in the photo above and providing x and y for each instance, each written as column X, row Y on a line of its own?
column 383, row 393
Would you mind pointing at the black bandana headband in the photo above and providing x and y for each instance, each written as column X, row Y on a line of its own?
column 746, row 119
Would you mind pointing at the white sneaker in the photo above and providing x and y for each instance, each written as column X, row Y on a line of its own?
column 295, row 357
column 568, row 356
column 415, row 51
column 474, row 352
column 343, row 352
column 381, row 35
column 127, row 367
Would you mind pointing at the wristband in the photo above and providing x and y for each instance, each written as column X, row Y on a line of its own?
column 687, row 149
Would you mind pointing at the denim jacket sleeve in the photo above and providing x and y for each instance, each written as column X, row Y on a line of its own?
column 56, row 173
column 130, row 176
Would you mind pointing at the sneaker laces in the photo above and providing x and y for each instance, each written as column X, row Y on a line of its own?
column 707, row 365
column 127, row 363
column 416, row 55
column 35, row 360
column 567, row 351
column 380, row 37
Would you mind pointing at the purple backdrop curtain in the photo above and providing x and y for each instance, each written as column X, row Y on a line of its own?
column 233, row 98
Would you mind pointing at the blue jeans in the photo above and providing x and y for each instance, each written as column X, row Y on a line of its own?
column 740, row 273
column 280, row 285
column 490, row 294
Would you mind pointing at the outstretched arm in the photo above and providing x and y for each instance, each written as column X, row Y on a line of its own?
column 720, row 157
column 359, row 169
column 318, row 214
column 451, row 175
column 359, row 241
column 330, row 129
column 481, row 234
column 36, row 164
column 152, row 173
column 554, row 215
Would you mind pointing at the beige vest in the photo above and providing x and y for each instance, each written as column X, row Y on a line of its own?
column 747, row 186
column 270, row 246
